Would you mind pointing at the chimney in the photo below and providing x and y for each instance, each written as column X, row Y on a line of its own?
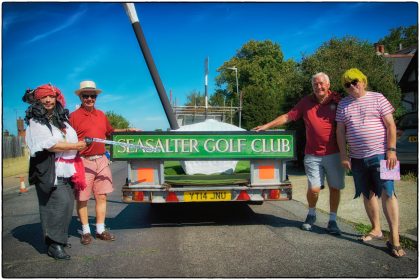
column 379, row 48
column 20, row 128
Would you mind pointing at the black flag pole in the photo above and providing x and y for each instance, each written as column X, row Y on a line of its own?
column 132, row 14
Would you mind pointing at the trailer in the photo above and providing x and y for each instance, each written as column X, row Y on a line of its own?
column 267, row 153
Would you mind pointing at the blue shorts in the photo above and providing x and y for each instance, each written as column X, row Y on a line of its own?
column 317, row 167
column 367, row 178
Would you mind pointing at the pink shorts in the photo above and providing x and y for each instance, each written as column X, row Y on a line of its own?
column 98, row 178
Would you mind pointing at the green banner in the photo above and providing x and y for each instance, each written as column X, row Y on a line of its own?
column 198, row 145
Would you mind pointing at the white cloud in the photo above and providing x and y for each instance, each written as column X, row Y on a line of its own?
column 12, row 18
column 91, row 61
column 70, row 21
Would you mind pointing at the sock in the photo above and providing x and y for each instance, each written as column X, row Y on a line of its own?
column 312, row 212
column 85, row 228
column 333, row 216
column 100, row 228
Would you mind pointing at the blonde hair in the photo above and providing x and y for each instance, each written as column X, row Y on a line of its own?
column 353, row 74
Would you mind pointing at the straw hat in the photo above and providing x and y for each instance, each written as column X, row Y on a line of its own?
column 88, row 86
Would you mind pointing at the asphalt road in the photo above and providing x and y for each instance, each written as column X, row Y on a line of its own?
column 194, row 240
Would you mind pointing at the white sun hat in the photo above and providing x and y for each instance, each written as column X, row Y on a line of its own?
column 88, row 86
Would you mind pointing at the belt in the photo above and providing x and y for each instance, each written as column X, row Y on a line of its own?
column 92, row 157
column 64, row 179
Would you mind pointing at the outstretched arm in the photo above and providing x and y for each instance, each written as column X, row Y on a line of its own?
column 281, row 120
column 126, row 129
column 65, row 146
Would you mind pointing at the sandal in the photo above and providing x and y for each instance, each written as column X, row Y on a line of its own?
column 372, row 237
column 395, row 250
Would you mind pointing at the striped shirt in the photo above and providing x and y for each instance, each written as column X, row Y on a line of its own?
column 365, row 129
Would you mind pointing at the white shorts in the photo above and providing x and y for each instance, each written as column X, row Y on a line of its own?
column 316, row 167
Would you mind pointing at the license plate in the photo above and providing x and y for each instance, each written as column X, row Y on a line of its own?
column 412, row 138
column 202, row 196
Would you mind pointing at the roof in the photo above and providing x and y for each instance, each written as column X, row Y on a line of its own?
column 399, row 64
column 401, row 60
column 409, row 50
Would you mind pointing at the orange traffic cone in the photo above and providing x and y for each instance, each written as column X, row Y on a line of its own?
column 22, row 188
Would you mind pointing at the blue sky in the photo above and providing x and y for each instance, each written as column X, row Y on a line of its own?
column 65, row 43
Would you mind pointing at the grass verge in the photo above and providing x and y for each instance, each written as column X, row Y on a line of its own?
column 410, row 176
column 15, row 166
column 405, row 242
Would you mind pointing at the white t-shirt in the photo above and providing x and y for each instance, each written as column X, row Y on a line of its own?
column 39, row 137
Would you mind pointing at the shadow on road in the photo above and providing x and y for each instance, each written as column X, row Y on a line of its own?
column 31, row 234
column 138, row 216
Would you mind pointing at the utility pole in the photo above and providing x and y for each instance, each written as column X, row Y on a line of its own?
column 237, row 92
column 206, row 73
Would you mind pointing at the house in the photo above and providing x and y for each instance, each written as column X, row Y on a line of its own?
column 405, row 65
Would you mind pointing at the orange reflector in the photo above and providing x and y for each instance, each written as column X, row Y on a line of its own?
column 138, row 196
column 243, row 195
column 172, row 197
column 145, row 175
column 266, row 172
column 274, row 194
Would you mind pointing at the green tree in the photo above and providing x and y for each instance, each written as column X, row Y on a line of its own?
column 337, row 55
column 265, row 80
column 220, row 98
column 406, row 36
column 117, row 121
column 195, row 99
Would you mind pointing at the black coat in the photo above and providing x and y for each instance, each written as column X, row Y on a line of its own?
column 42, row 170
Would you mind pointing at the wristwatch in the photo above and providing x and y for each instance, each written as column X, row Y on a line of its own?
column 391, row 149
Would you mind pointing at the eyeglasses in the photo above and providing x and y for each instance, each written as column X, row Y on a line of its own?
column 354, row 83
column 86, row 96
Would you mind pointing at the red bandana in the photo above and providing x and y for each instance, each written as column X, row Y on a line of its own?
column 48, row 89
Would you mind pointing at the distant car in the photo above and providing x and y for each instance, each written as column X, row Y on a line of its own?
column 407, row 133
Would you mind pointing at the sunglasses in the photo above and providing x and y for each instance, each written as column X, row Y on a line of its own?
column 86, row 96
column 354, row 83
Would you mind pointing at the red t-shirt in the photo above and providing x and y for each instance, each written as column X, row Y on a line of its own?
column 91, row 124
column 319, row 122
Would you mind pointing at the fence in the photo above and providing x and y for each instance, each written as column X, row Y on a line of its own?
column 13, row 147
